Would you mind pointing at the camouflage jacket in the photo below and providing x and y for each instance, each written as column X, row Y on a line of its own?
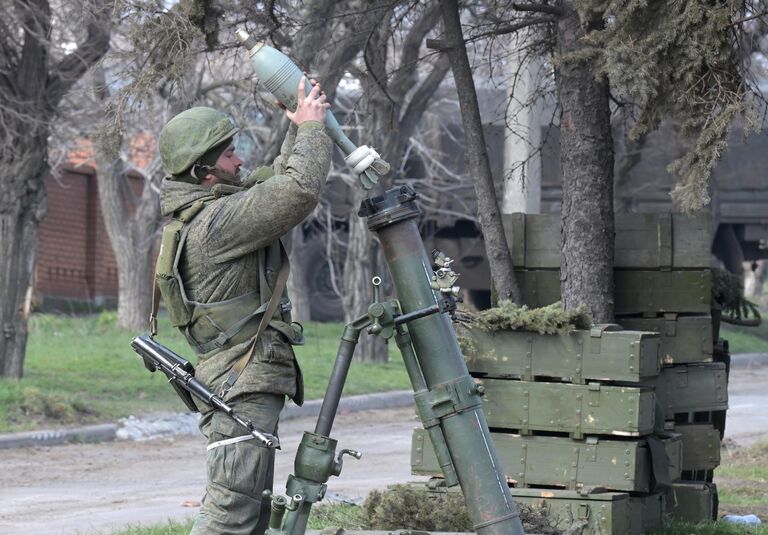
column 220, row 257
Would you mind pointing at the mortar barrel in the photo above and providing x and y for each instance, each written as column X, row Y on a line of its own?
column 393, row 218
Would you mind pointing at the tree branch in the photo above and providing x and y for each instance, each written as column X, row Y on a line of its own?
column 418, row 104
column 239, row 84
column 36, row 21
column 751, row 17
column 410, row 49
column 74, row 65
column 512, row 28
column 539, row 8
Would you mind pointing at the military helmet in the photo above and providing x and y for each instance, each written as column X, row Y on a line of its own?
column 189, row 135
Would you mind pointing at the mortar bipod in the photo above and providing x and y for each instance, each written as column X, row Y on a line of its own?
column 315, row 460
column 315, row 463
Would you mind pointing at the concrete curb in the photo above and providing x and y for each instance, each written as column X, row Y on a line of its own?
column 89, row 433
column 365, row 402
column 109, row 432
column 381, row 400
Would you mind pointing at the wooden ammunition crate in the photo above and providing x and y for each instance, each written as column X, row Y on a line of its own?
column 692, row 501
column 635, row 291
column 691, row 388
column 661, row 261
column 684, row 339
column 643, row 241
column 598, row 354
column 701, row 446
column 566, row 463
column 591, row 409
column 603, row 513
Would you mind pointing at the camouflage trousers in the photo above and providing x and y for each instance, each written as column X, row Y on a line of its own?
column 238, row 473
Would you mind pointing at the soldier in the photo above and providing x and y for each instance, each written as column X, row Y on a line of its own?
column 221, row 270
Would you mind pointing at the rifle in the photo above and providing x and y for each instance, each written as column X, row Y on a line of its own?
column 181, row 375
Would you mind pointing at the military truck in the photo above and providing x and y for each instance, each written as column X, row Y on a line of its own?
column 739, row 207
column 739, row 195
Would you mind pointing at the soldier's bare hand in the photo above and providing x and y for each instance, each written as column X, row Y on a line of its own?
column 309, row 107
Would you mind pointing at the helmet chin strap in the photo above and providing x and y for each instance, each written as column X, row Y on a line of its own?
column 201, row 171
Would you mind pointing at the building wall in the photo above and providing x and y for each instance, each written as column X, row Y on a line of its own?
column 75, row 264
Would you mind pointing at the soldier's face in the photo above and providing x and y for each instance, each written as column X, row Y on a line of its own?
column 229, row 163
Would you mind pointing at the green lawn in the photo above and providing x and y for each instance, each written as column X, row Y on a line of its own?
column 322, row 516
column 746, row 339
column 82, row 370
column 742, row 481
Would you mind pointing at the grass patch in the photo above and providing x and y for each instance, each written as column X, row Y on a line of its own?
column 341, row 515
column 322, row 516
column 169, row 528
column 710, row 528
column 746, row 339
column 82, row 370
column 742, row 481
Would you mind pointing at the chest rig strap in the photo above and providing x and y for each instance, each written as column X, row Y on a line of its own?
column 274, row 299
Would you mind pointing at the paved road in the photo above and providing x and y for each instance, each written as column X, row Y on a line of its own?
column 92, row 488
column 747, row 420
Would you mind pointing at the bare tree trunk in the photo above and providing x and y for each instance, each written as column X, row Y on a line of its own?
column 22, row 207
column 488, row 212
column 134, row 296
column 297, row 278
column 586, row 161
column 358, row 272
column 31, row 88
column 132, row 223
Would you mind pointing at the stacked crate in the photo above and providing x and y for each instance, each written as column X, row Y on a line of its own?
column 608, row 425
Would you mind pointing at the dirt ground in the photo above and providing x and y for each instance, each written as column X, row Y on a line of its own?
column 95, row 488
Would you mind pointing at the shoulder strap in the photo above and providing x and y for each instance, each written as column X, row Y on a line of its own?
column 155, row 308
column 184, row 215
column 282, row 279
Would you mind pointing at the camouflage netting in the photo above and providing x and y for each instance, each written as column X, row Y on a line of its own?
column 728, row 294
column 551, row 319
column 419, row 508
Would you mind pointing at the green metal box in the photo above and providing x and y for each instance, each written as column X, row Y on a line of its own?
column 692, row 501
column 604, row 513
column 684, row 339
column 635, row 291
column 598, row 354
column 701, row 446
column 572, row 464
column 691, row 388
column 643, row 241
column 591, row 409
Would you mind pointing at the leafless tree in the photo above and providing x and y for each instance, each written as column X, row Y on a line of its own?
column 488, row 211
column 46, row 48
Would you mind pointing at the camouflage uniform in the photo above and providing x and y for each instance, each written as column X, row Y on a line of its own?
column 220, row 261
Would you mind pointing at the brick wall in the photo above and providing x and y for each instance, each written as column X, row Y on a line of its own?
column 75, row 259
